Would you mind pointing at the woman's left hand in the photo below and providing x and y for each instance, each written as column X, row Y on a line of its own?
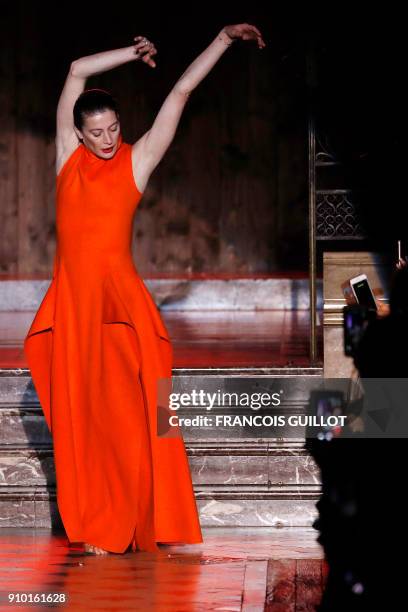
column 246, row 32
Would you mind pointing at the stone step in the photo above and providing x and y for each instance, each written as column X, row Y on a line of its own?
column 232, row 467
column 187, row 294
column 237, row 481
column 28, row 507
column 22, row 421
column 250, row 484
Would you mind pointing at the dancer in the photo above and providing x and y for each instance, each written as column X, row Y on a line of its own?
column 97, row 346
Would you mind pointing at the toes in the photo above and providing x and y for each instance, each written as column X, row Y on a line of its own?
column 90, row 548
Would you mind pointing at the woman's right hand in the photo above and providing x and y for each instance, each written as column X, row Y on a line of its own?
column 144, row 50
column 245, row 31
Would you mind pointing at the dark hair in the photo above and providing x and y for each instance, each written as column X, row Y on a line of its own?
column 92, row 101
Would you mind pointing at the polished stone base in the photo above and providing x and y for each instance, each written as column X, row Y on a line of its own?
column 187, row 294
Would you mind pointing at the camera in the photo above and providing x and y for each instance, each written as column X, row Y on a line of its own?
column 355, row 320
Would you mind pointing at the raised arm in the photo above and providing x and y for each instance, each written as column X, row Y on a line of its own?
column 148, row 151
column 66, row 140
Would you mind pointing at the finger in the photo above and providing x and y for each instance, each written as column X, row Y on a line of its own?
column 141, row 40
column 260, row 41
column 250, row 32
column 259, row 36
column 144, row 52
column 141, row 51
column 257, row 33
column 150, row 62
column 142, row 44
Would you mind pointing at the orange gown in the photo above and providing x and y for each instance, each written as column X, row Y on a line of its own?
column 97, row 348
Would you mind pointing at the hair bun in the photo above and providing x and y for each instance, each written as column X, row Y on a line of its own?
column 92, row 101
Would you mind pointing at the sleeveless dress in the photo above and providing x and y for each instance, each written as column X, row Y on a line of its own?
column 97, row 348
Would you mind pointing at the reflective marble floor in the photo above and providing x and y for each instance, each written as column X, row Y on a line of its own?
column 217, row 338
column 251, row 569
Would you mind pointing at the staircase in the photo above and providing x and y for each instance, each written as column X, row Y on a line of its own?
column 238, row 481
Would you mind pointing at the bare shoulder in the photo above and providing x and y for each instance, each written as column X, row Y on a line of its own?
column 140, row 163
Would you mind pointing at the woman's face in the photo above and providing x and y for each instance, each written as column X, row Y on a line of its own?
column 100, row 133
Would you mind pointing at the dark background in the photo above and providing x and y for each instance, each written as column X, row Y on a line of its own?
column 231, row 194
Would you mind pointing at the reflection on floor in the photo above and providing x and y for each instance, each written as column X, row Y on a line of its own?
column 279, row 570
column 214, row 338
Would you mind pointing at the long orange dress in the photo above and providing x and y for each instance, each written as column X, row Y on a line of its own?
column 97, row 348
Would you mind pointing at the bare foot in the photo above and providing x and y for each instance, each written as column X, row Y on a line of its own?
column 90, row 548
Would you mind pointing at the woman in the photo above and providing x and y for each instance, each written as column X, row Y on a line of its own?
column 97, row 347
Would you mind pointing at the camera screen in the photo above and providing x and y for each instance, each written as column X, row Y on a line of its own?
column 325, row 403
column 329, row 405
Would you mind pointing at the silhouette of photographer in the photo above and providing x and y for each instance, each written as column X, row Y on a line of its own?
column 382, row 350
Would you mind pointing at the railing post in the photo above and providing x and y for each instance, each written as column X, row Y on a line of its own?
column 311, row 81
